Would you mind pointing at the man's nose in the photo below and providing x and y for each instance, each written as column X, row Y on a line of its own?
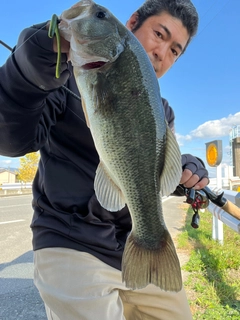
column 160, row 52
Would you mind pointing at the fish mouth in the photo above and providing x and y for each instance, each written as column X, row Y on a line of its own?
column 93, row 65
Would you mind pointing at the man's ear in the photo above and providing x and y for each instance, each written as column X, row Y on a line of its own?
column 132, row 22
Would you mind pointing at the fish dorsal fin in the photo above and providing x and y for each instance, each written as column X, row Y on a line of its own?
column 107, row 192
column 172, row 170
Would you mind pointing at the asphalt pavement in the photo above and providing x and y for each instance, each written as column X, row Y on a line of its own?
column 175, row 216
column 19, row 299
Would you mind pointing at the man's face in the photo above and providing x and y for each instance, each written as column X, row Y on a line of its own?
column 163, row 37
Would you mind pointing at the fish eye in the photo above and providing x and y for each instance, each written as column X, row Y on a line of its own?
column 101, row 14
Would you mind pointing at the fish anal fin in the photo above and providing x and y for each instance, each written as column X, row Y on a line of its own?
column 107, row 192
column 161, row 267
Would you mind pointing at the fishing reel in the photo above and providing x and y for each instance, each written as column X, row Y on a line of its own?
column 198, row 199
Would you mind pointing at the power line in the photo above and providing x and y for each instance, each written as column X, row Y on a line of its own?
column 213, row 17
column 209, row 8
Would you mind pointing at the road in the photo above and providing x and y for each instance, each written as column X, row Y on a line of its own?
column 19, row 299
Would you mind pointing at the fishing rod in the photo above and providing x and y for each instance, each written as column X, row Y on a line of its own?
column 199, row 199
column 5, row 45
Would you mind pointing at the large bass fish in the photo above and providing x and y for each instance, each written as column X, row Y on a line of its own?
column 139, row 156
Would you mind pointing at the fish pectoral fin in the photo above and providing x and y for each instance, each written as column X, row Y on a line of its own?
column 172, row 170
column 159, row 266
column 107, row 192
column 85, row 112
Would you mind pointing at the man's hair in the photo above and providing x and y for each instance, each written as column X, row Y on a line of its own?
column 183, row 10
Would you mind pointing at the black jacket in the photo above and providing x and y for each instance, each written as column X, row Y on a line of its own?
column 37, row 113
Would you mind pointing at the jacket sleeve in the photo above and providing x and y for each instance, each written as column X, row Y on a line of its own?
column 169, row 114
column 30, row 96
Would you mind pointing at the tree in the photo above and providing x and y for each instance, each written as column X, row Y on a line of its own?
column 28, row 167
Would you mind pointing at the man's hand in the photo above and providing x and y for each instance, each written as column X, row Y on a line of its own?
column 194, row 172
column 65, row 45
column 37, row 61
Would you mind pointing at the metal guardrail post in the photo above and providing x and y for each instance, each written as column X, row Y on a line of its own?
column 217, row 229
column 217, row 225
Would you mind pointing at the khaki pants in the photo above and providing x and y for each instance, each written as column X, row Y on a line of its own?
column 77, row 286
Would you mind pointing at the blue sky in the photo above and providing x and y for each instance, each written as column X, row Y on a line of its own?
column 202, row 86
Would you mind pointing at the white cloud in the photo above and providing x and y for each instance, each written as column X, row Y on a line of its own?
column 7, row 161
column 212, row 129
column 181, row 139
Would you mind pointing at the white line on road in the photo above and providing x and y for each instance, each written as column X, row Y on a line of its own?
column 13, row 221
column 16, row 205
column 164, row 198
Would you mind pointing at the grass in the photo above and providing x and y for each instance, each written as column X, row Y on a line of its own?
column 213, row 281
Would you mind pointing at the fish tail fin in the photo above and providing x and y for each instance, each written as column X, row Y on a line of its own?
column 161, row 267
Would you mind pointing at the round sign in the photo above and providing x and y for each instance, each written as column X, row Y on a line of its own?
column 212, row 154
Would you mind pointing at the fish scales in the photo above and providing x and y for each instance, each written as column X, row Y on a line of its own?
column 139, row 156
column 138, row 145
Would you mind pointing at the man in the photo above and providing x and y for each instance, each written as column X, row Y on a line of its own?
column 77, row 244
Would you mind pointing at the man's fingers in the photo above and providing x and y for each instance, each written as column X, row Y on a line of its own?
column 186, row 175
column 201, row 184
column 190, row 180
column 65, row 45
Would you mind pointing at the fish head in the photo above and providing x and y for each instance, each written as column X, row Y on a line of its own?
column 96, row 36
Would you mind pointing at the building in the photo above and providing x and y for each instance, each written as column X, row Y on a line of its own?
column 7, row 176
column 235, row 149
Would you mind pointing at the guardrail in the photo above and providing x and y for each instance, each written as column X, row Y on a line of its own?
column 13, row 188
column 17, row 185
column 221, row 217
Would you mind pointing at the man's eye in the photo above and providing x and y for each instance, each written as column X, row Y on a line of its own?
column 175, row 52
column 159, row 35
